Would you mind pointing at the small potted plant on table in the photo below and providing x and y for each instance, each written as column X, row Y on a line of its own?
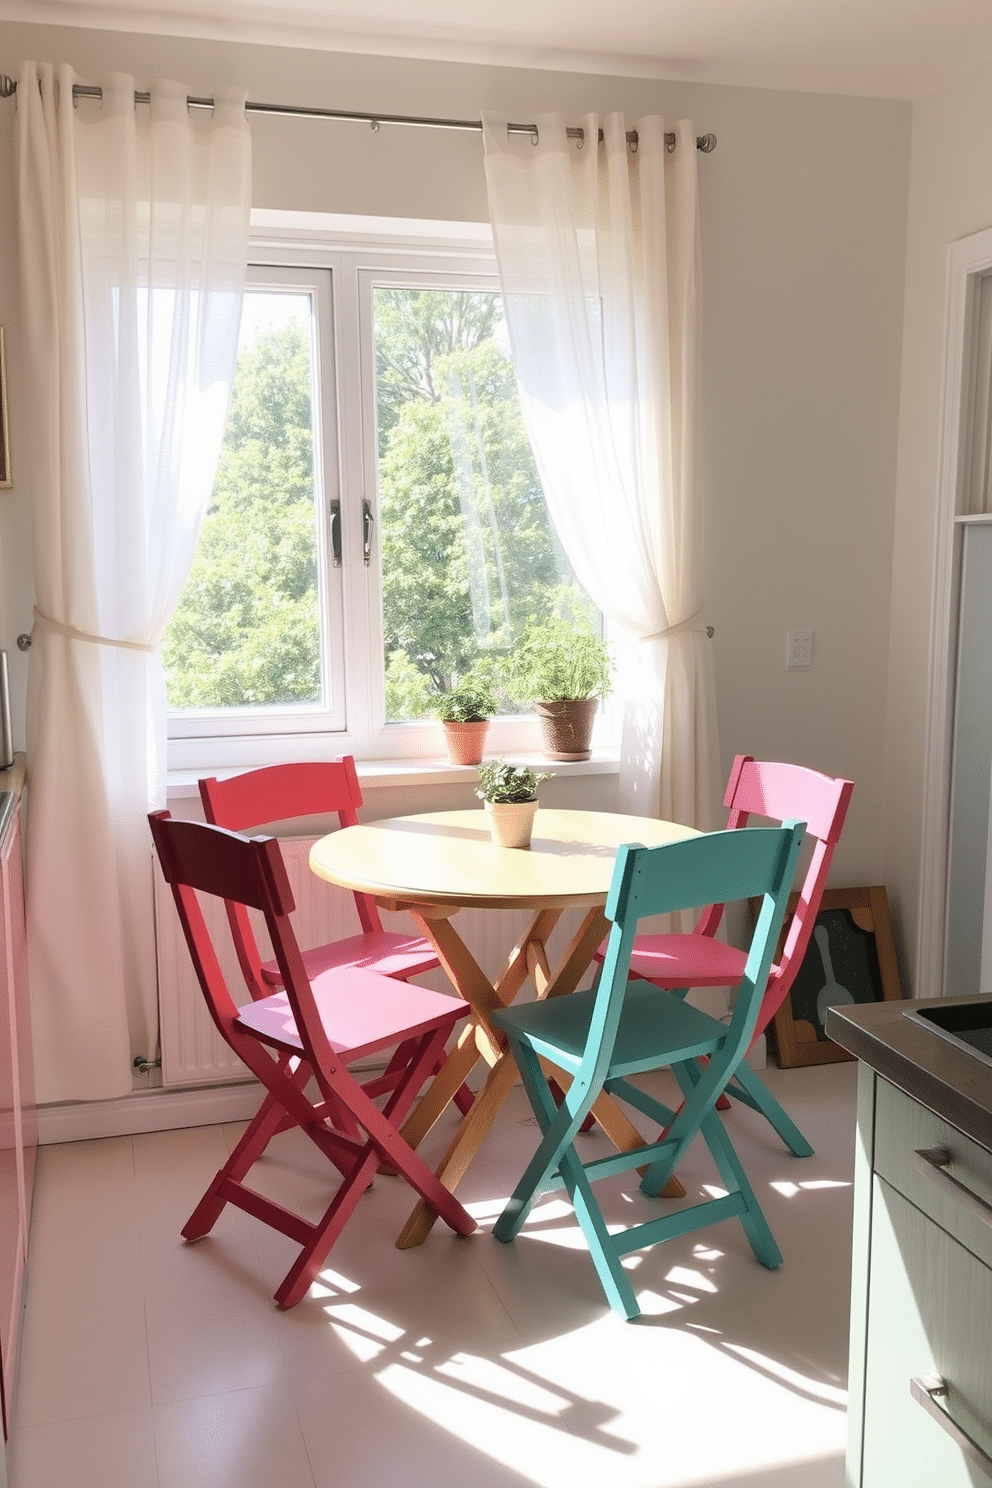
column 509, row 795
column 465, row 711
column 563, row 668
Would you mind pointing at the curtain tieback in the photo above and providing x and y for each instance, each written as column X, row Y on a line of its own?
column 83, row 635
column 674, row 630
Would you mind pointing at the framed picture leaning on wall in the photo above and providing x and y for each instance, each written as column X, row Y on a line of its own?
column 850, row 958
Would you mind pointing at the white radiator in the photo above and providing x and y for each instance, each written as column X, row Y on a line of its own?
column 193, row 1053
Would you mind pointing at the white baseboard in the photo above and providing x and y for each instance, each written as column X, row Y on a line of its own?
column 147, row 1111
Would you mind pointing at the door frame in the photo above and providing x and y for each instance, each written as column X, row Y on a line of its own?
column 969, row 261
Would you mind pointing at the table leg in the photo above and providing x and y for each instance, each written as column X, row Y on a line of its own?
column 529, row 957
column 477, row 1038
column 467, row 976
column 465, row 1144
column 577, row 959
column 443, row 1088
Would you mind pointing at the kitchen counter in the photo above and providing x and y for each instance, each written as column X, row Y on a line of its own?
column 920, row 1380
column 930, row 1070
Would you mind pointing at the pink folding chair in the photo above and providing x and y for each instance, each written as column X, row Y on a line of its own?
column 312, row 1029
column 780, row 792
column 292, row 792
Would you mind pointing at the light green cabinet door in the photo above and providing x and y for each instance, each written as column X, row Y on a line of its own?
column 929, row 1312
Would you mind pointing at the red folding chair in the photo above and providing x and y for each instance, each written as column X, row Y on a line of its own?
column 292, row 792
column 311, row 1028
column 781, row 792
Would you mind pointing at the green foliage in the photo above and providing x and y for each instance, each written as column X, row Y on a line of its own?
column 415, row 330
column 246, row 631
column 467, row 549
column 471, row 700
column 502, row 782
column 561, row 658
column 409, row 693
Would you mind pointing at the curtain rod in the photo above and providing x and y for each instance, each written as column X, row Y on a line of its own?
column 8, row 87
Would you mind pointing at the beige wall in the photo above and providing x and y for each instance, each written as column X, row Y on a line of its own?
column 950, row 197
column 804, row 225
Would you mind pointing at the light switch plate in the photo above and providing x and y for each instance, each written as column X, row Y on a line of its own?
column 798, row 649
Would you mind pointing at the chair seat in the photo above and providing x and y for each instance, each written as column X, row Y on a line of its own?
column 652, row 1024
column 687, row 961
column 360, row 1011
column 386, row 951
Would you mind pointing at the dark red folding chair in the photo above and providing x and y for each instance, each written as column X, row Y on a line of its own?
column 309, row 1029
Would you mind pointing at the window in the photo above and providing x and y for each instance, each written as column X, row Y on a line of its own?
column 377, row 526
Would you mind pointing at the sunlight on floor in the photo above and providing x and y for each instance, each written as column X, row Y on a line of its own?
column 151, row 1364
column 789, row 1190
column 827, row 1393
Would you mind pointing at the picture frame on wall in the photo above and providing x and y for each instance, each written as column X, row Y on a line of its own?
column 851, row 957
column 6, row 478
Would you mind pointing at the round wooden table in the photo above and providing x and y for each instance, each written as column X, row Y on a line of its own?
column 434, row 864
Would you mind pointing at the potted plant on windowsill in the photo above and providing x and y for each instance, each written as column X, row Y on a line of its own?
column 465, row 711
column 563, row 668
column 509, row 795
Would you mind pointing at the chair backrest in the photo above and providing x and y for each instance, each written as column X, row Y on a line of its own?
column 287, row 792
column 788, row 792
column 724, row 866
column 283, row 793
column 200, row 858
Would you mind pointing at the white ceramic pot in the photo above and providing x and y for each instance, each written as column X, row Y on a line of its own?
column 511, row 822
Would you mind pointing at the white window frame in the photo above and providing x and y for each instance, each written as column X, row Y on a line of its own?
column 327, row 714
column 359, row 255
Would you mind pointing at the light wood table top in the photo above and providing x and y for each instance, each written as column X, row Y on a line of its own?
column 446, row 859
column 437, row 863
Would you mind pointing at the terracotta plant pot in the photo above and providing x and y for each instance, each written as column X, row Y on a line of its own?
column 566, row 727
column 466, row 741
column 511, row 822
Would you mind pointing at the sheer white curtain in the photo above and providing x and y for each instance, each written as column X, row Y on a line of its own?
column 133, row 246
column 599, row 258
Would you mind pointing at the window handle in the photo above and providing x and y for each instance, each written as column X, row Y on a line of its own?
column 336, row 532
column 368, row 522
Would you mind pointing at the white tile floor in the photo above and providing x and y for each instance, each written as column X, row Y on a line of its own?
column 147, row 1363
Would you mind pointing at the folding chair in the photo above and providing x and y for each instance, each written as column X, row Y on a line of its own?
column 624, row 1027
column 309, row 1029
column 782, row 792
column 294, row 792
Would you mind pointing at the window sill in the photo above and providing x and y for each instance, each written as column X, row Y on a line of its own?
column 427, row 774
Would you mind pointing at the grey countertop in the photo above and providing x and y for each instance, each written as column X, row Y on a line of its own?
column 938, row 1074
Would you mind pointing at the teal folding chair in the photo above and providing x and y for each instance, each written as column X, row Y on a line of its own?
column 622, row 1027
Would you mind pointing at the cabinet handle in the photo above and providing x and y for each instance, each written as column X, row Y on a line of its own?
column 931, row 1162
column 924, row 1389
